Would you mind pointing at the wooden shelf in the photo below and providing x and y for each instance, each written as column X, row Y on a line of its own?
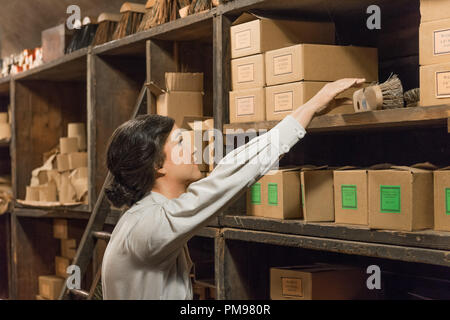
column 428, row 239
column 79, row 212
column 393, row 252
column 194, row 27
column 4, row 85
column 405, row 117
column 70, row 67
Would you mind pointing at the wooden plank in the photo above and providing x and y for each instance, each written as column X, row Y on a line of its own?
column 404, row 117
column 4, row 255
column 59, row 213
column 207, row 232
column 393, row 252
column 4, row 86
column 189, row 28
column 219, row 262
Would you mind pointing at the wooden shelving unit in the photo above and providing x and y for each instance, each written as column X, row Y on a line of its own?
column 100, row 85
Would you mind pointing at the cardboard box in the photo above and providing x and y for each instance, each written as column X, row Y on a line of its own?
column 314, row 62
column 62, row 230
column 317, row 282
column 62, row 162
column 5, row 131
column 434, row 42
column 435, row 84
column 32, row 193
column 61, row 265
column 283, row 99
column 442, row 199
column 434, row 10
column 198, row 134
column 54, row 42
column 4, row 117
column 251, row 34
column 68, row 248
column 179, row 104
column 47, row 192
column 68, row 145
column 78, row 160
column 78, row 130
column 317, row 194
column 282, row 188
column 257, row 198
column 179, row 81
column 351, row 197
column 247, row 105
column 50, row 286
column 401, row 198
column 66, row 192
column 248, row 72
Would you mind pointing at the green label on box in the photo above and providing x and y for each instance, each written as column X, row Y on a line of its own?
column 348, row 194
column 255, row 192
column 272, row 190
column 302, row 191
column 390, row 198
column 447, row 201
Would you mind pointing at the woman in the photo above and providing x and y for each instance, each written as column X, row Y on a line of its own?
column 147, row 256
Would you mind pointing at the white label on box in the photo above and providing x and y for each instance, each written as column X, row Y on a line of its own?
column 245, row 106
column 282, row 64
column 243, row 39
column 291, row 287
column 443, row 84
column 441, row 42
column 245, row 73
column 283, row 101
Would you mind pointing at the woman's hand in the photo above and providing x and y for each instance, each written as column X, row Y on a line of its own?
column 323, row 99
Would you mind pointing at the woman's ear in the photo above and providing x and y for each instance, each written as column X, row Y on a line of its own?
column 161, row 172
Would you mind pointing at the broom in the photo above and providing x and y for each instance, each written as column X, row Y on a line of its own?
column 388, row 95
column 412, row 97
column 149, row 11
column 199, row 6
column 107, row 23
column 131, row 17
column 163, row 11
column 84, row 34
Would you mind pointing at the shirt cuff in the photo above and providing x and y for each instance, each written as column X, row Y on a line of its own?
column 287, row 133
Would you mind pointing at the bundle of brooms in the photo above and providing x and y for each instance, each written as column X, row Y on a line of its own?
column 107, row 24
column 131, row 17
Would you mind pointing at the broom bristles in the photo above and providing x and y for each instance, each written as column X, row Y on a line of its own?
column 392, row 91
column 128, row 24
column 105, row 32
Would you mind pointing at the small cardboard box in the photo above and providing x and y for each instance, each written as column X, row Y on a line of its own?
column 78, row 160
column 251, row 34
column 247, row 105
column 47, row 192
column 283, row 99
column 4, row 117
column 68, row 145
column 317, row 194
column 282, row 188
column 317, row 282
column 78, row 130
column 61, row 265
column 32, row 193
column 179, row 81
column 5, row 131
column 442, row 199
column 62, row 230
column 315, row 62
column 179, row 104
column 54, row 42
column 431, row 10
column 50, row 286
column 351, row 197
column 62, row 162
column 401, row 198
column 257, row 198
column 435, row 84
column 434, row 42
column 198, row 134
column 68, row 248
column 248, row 72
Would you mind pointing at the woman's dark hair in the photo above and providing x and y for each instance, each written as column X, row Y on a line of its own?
column 134, row 154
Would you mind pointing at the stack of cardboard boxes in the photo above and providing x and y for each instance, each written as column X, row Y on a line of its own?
column 434, row 53
column 266, row 52
column 50, row 286
column 63, row 179
column 380, row 197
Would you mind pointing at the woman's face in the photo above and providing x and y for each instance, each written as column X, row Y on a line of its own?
column 180, row 163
